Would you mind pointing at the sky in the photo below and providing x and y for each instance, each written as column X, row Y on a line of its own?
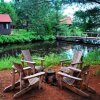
column 7, row 0
column 69, row 10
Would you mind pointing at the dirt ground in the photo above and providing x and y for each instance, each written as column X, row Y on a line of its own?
column 49, row 92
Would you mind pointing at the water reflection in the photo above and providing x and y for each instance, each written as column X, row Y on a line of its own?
column 69, row 51
column 44, row 48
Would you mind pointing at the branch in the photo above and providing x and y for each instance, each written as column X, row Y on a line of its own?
column 80, row 1
column 96, row 1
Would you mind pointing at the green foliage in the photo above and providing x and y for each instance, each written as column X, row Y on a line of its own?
column 7, row 8
column 52, row 59
column 6, row 63
column 23, row 36
column 69, row 30
column 31, row 13
column 93, row 57
column 38, row 15
column 48, row 37
column 88, row 20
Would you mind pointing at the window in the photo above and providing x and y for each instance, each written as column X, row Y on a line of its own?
column 6, row 26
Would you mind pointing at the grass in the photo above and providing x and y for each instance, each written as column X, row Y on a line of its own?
column 6, row 63
column 93, row 57
column 51, row 60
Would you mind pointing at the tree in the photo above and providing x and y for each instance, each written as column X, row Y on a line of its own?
column 81, row 1
column 7, row 8
column 88, row 20
column 42, row 16
column 31, row 13
column 39, row 15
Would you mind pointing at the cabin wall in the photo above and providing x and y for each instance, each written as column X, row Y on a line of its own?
column 5, row 30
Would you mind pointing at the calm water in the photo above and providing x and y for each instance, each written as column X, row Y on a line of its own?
column 44, row 48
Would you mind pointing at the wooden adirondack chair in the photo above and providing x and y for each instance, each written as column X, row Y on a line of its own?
column 78, row 82
column 25, row 82
column 77, row 60
column 26, row 58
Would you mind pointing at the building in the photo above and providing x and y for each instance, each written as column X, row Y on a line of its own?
column 5, row 24
column 66, row 20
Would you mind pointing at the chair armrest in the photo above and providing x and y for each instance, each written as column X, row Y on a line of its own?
column 28, row 61
column 65, row 60
column 25, row 68
column 74, row 69
column 69, row 76
column 35, row 75
column 62, row 61
column 76, row 63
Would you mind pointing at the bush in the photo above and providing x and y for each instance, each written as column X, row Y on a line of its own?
column 69, row 30
column 23, row 36
column 93, row 57
column 50, row 61
column 6, row 63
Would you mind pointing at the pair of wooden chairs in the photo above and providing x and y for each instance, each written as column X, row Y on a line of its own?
column 29, row 77
column 73, row 78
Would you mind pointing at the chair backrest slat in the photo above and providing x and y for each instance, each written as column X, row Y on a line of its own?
column 77, row 57
column 27, row 55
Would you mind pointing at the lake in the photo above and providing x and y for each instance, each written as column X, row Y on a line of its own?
column 45, row 48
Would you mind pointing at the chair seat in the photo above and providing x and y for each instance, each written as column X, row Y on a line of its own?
column 65, row 70
column 33, row 81
column 39, row 68
column 68, row 80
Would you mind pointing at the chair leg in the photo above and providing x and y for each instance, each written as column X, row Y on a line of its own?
column 77, row 91
column 40, row 81
column 91, row 89
column 60, row 81
column 20, row 80
column 10, row 87
column 13, row 77
column 21, row 92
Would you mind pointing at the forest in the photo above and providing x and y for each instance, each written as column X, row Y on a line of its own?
column 40, row 19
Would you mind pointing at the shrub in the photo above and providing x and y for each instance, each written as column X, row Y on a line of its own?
column 6, row 63
column 50, row 61
column 23, row 36
column 93, row 57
